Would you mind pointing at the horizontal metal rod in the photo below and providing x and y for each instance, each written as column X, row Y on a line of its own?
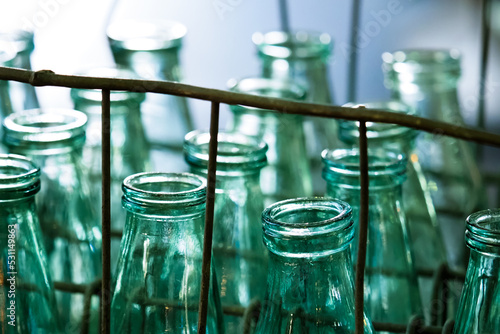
column 49, row 78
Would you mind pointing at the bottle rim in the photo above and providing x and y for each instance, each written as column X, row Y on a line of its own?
column 235, row 151
column 150, row 35
column 19, row 177
column 422, row 61
column 299, row 44
column 483, row 231
column 7, row 55
column 20, row 40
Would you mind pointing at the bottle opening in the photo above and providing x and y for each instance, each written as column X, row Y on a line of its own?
column 428, row 61
column 19, row 177
column 483, row 231
column 284, row 89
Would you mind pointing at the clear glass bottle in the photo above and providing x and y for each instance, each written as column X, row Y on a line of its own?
column 425, row 235
column 288, row 172
column 158, row 278
column 427, row 81
column 310, row 285
column 303, row 56
column 26, row 294
column 6, row 58
column 130, row 151
column 240, row 257
column 479, row 310
column 151, row 49
column 53, row 138
column 391, row 286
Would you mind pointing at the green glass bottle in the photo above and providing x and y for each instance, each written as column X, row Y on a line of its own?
column 6, row 60
column 479, row 309
column 310, row 285
column 304, row 56
column 158, row 277
column 288, row 172
column 240, row 257
column 391, row 286
column 425, row 235
column 26, row 293
column 71, row 227
column 427, row 81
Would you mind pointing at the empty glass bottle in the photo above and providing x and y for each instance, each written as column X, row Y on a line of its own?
column 425, row 235
column 288, row 172
column 303, row 56
column 151, row 49
column 240, row 257
column 427, row 81
column 479, row 310
column 310, row 285
column 53, row 138
column 158, row 277
column 26, row 291
column 6, row 58
column 391, row 287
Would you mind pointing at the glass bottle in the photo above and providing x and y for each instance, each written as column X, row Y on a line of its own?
column 240, row 257
column 427, row 81
column 6, row 58
column 130, row 151
column 287, row 174
column 425, row 235
column 479, row 310
column 391, row 286
column 53, row 138
column 310, row 285
column 303, row 56
column 158, row 277
column 26, row 294
column 151, row 49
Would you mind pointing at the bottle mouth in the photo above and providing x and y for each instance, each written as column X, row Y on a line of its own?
column 483, row 231
column 20, row 40
column 235, row 152
column 95, row 95
column 151, row 35
column 7, row 55
column 349, row 130
column 424, row 61
column 19, row 177
column 308, row 227
column 299, row 44
column 45, row 126
column 385, row 168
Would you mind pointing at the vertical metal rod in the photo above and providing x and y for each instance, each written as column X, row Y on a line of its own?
column 485, row 47
column 353, row 52
column 209, row 218
column 363, row 228
column 284, row 16
column 106, row 214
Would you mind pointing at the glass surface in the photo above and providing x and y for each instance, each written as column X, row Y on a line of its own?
column 158, row 277
column 26, row 293
column 71, row 227
column 310, row 285
column 389, row 271
column 479, row 309
column 288, row 172
column 240, row 257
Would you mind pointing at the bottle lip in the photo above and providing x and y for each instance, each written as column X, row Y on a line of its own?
column 422, row 61
column 19, row 177
column 150, row 35
column 20, row 40
column 235, row 151
column 299, row 44
column 7, row 55
column 44, row 126
column 483, row 231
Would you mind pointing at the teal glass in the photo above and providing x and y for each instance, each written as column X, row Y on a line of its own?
column 310, row 285
column 391, row 286
column 426, row 240
column 288, row 173
column 158, row 277
column 240, row 257
column 304, row 57
column 71, row 228
column 152, row 50
column 427, row 81
column 479, row 309
column 26, row 291
column 6, row 58
column 130, row 151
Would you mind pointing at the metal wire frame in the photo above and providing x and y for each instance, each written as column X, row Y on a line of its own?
column 49, row 78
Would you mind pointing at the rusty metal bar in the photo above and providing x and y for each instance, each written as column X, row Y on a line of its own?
column 352, row 76
column 209, row 218
column 91, row 290
column 485, row 48
column 106, row 214
column 284, row 16
column 363, row 228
